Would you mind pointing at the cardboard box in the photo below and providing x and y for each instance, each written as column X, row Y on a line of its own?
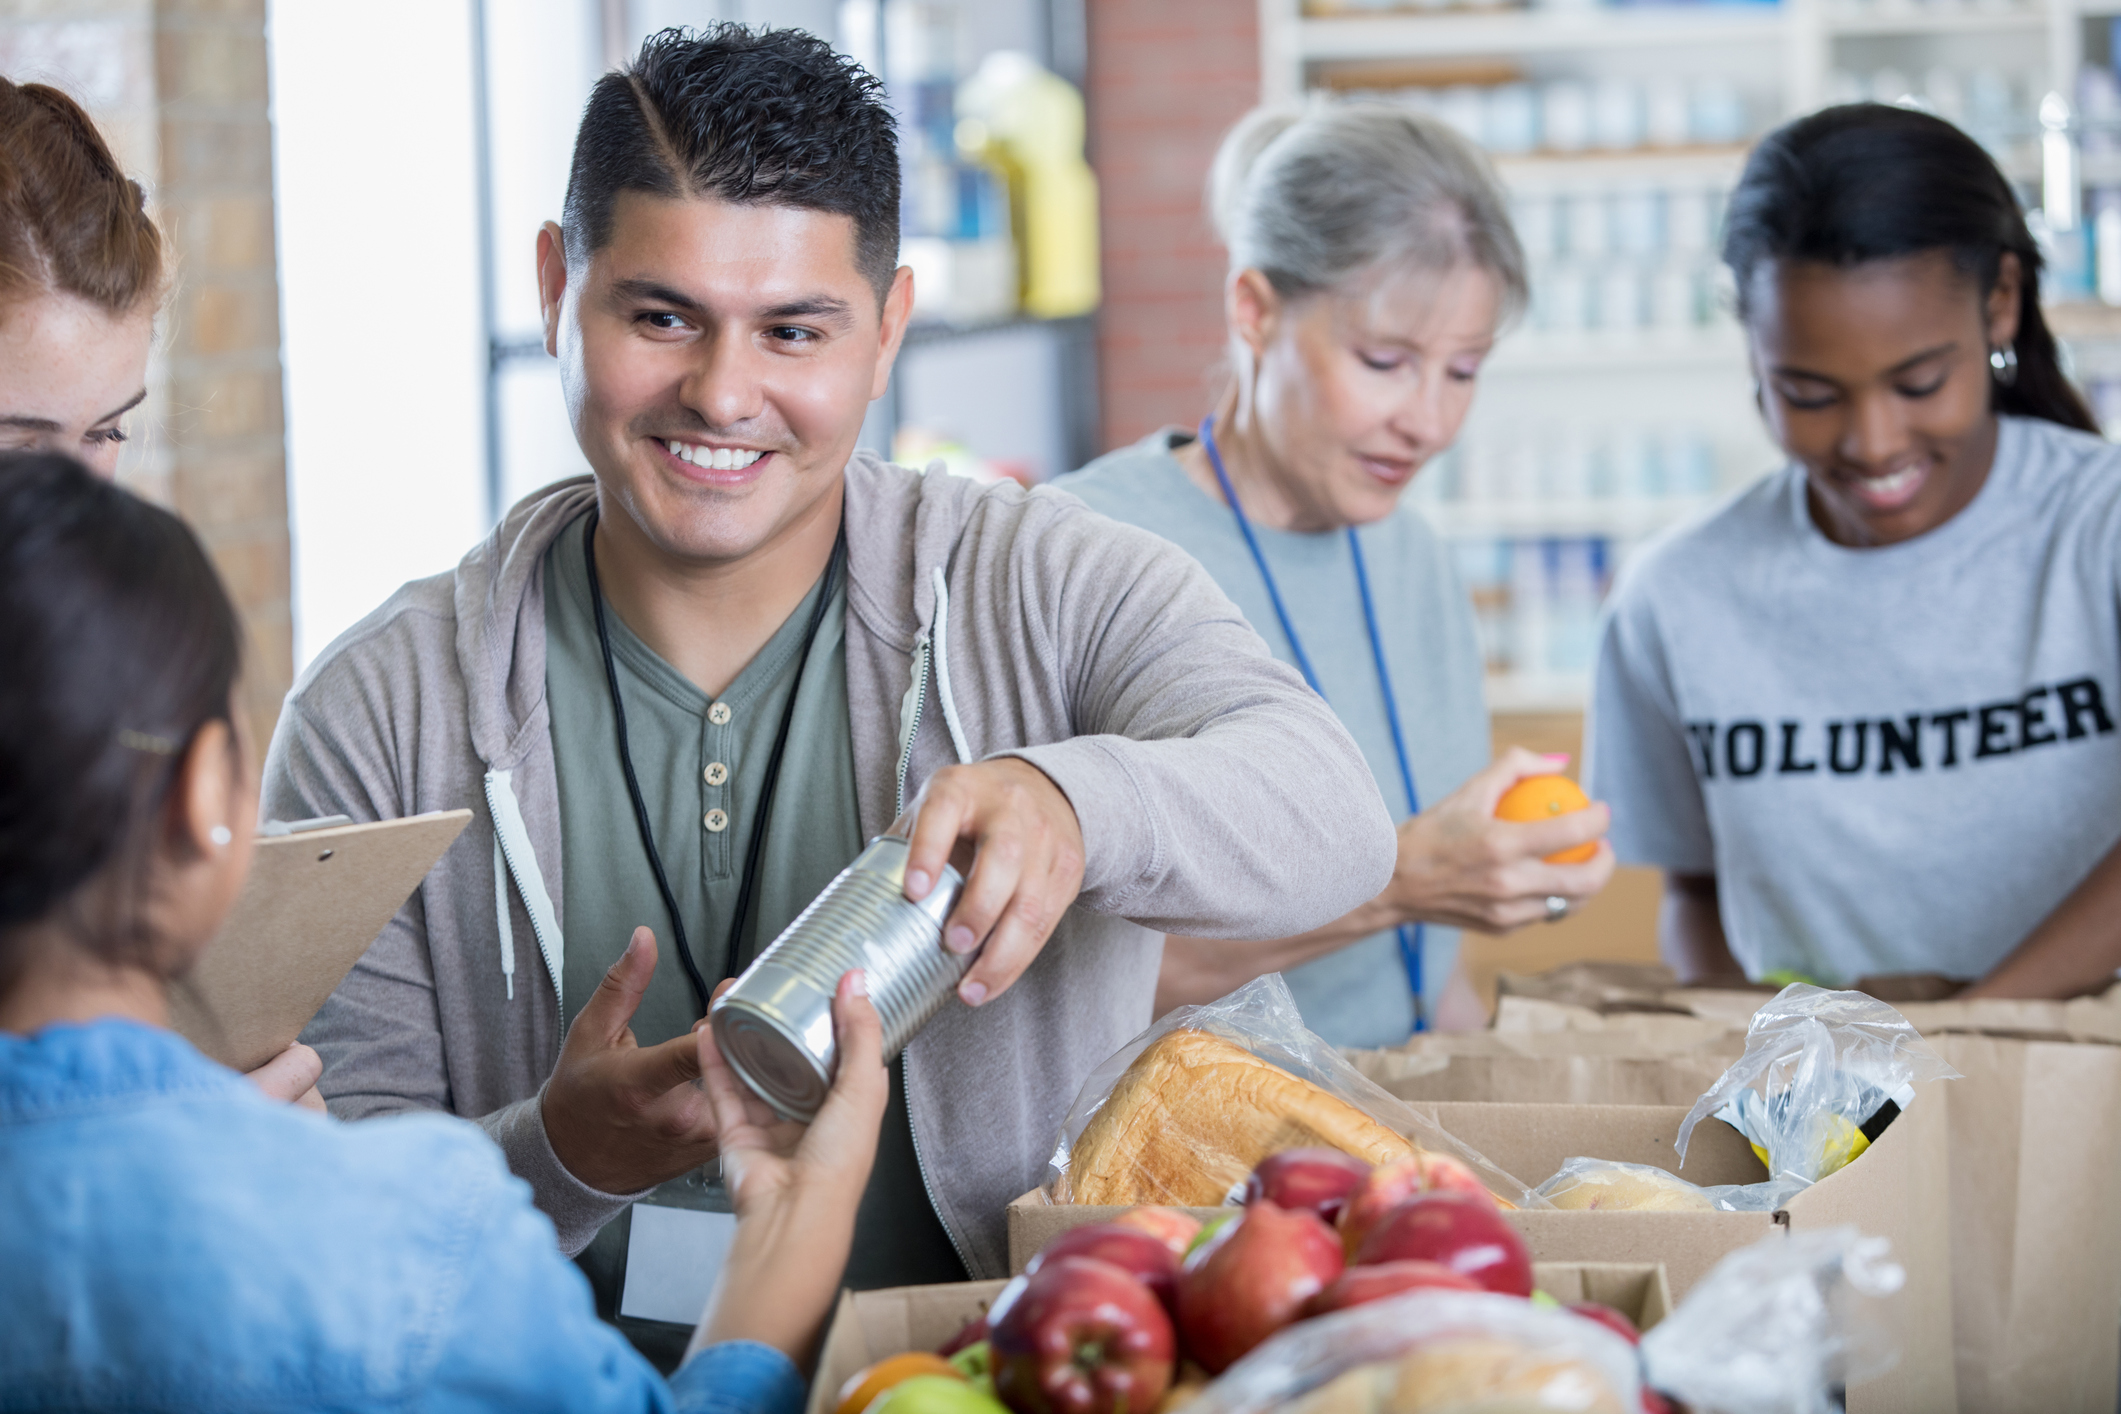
column 870, row 1325
column 1899, row 1190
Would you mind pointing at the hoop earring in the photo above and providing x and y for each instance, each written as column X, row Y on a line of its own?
column 2003, row 364
column 221, row 836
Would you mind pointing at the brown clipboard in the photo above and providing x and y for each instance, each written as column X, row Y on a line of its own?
column 314, row 902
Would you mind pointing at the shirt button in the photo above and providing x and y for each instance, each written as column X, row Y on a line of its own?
column 716, row 773
column 719, row 714
column 717, row 821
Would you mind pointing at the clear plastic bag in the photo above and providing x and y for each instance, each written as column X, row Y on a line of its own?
column 1822, row 1075
column 1260, row 1018
column 1777, row 1327
column 1434, row 1351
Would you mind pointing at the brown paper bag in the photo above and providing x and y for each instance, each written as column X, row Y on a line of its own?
column 2036, row 1240
column 2034, row 1156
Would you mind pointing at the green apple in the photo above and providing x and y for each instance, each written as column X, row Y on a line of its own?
column 936, row 1394
column 976, row 1361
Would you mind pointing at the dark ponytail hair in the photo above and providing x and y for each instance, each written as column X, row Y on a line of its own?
column 117, row 644
column 1869, row 181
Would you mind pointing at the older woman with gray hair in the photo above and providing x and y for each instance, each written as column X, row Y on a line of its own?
column 1372, row 267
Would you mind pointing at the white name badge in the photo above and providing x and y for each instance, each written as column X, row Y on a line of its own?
column 673, row 1257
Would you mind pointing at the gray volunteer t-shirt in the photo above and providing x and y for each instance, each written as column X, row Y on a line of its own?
column 1358, row 996
column 1896, row 759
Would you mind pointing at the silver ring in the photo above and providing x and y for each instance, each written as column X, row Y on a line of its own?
column 1557, row 908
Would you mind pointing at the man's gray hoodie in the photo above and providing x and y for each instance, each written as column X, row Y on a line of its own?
column 1218, row 796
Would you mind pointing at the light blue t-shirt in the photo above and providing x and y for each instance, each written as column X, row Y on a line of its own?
column 1359, row 995
column 1897, row 759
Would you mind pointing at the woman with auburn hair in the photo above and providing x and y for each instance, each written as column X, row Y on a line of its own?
column 1372, row 267
column 82, row 273
column 172, row 1240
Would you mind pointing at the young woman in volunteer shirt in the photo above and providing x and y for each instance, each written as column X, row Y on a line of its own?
column 1864, row 716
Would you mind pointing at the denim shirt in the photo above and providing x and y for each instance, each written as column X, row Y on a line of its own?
column 172, row 1240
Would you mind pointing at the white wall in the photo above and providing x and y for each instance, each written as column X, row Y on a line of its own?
column 379, row 299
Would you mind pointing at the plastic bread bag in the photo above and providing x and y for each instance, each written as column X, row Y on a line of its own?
column 1594, row 1185
column 1181, row 1114
column 1823, row 1074
column 1427, row 1352
column 1780, row 1327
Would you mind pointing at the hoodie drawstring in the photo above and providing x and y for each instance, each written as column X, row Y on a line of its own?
column 942, row 670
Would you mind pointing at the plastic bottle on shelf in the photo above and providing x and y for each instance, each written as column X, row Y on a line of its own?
column 1665, row 112
column 1616, row 114
column 1511, row 119
column 1528, row 650
column 1575, row 585
column 1029, row 121
column 1565, row 121
column 1716, row 112
column 2105, row 206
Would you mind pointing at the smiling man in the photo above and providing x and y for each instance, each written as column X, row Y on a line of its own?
column 682, row 692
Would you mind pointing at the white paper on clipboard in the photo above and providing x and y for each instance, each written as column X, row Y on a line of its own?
column 314, row 902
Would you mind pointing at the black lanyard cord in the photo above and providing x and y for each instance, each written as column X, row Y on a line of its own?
column 748, row 888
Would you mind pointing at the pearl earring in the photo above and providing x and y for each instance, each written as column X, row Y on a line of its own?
column 221, row 836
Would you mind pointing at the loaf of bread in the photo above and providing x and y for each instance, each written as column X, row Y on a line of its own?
column 1193, row 1116
column 1465, row 1373
column 1587, row 1185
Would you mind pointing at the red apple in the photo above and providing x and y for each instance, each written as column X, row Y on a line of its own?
column 1440, row 1173
column 1081, row 1337
column 1611, row 1319
column 1130, row 1249
column 1467, row 1234
column 1252, row 1278
column 1318, row 1180
column 1175, row 1229
column 1382, row 1189
column 1358, row 1285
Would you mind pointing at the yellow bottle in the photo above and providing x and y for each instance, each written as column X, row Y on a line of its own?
column 1026, row 121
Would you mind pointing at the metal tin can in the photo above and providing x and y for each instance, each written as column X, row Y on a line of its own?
column 774, row 1027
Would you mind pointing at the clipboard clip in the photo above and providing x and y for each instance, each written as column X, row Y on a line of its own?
column 273, row 829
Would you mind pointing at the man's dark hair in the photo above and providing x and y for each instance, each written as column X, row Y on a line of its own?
column 772, row 117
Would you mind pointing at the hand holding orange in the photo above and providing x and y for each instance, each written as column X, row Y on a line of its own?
column 1542, row 798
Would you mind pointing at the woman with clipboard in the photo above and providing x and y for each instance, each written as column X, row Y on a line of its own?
column 169, row 1229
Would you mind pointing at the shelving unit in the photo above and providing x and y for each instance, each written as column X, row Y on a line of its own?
column 1595, row 431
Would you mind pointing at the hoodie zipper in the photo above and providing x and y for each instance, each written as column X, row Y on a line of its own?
column 920, row 1162
column 912, row 727
column 552, row 967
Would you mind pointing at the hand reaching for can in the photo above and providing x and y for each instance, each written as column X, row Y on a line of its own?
column 795, row 1188
column 1015, row 837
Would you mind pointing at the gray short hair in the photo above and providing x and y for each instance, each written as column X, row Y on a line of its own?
column 1316, row 196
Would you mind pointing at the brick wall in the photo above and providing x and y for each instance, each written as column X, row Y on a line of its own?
column 1166, row 78
column 179, row 89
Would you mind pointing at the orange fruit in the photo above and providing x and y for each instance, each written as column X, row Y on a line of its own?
column 1542, row 798
column 864, row 1386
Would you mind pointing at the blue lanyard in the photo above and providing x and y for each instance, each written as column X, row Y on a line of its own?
column 1410, row 935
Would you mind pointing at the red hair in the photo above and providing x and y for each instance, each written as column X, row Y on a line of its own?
column 71, row 221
